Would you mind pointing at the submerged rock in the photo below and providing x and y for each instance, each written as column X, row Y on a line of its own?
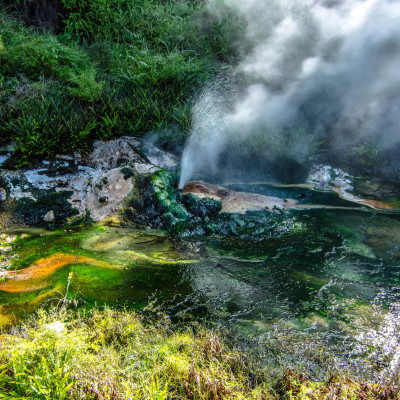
column 3, row 194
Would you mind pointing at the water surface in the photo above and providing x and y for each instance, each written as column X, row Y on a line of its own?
column 316, row 289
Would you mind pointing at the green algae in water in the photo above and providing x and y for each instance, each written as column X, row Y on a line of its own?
column 122, row 243
column 114, row 262
column 312, row 277
column 333, row 276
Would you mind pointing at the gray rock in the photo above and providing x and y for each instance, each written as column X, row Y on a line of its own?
column 95, row 181
column 114, row 153
column 49, row 217
column 3, row 194
column 3, row 159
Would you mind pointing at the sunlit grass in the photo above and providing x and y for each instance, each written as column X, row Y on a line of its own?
column 119, row 355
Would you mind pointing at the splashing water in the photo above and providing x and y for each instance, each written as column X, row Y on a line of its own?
column 330, row 67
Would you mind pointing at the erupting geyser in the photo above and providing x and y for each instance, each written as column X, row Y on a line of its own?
column 327, row 67
column 200, row 153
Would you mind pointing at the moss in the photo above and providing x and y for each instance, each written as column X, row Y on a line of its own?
column 200, row 207
column 184, row 214
column 158, row 203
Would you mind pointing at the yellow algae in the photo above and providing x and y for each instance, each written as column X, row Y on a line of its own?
column 31, row 231
column 126, row 244
column 126, row 239
column 44, row 296
column 7, row 316
column 375, row 204
column 156, row 258
column 309, row 279
column 14, row 286
column 96, row 263
column 167, row 258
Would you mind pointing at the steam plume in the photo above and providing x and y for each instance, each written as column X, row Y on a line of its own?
column 330, row 67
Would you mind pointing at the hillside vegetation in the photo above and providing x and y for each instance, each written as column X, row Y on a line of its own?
column 74, row 71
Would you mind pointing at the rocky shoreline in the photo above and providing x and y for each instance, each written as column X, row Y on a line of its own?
column 129, row 183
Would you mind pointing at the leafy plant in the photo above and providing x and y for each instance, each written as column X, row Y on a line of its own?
column 46, row 378
column 119, row 68
column 86, row 86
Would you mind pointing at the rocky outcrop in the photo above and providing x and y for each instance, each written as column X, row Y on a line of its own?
column 324, row 177
column 238, row 202
column 74, row 186
column 160, row 204
column 122, row 183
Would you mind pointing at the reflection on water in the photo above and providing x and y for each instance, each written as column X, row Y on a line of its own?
column 318, row 289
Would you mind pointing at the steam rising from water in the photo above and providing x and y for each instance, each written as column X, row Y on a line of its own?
column 208, row 124
column 330, row 67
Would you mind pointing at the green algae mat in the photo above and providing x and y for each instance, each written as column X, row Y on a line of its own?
column 98, row 264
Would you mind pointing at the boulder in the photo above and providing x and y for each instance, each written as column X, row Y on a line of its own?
column 49, row 217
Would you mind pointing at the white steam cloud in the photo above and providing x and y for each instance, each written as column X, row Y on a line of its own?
column 331, row 67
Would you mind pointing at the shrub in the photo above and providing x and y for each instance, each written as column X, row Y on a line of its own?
column 86, row 86
column 32, row 54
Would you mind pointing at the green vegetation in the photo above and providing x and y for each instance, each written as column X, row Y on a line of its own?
column 116, row 68
column 119, row 355
column 182, row 213
column 367, row 154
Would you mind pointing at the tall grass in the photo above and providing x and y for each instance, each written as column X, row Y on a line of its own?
column 118, row 355
column 118, row 68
